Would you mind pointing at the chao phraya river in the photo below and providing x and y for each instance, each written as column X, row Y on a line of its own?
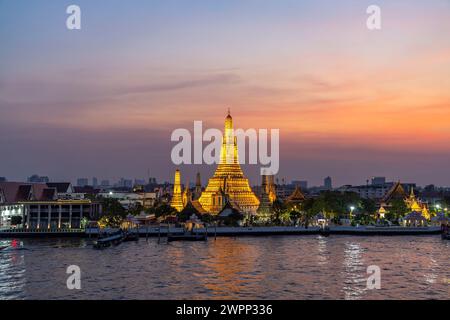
column 278, row 267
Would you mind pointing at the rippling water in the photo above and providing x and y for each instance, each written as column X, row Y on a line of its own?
column 290, row 267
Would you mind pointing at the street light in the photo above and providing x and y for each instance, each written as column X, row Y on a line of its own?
column 352, row 208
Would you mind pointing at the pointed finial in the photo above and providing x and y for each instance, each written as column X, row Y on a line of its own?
column 229, row 111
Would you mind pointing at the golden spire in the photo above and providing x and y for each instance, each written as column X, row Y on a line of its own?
column 177, row 198
column 229, row 176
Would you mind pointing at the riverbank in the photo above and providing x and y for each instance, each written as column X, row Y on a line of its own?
column 233, row 231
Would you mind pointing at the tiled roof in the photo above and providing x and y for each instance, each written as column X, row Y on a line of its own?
column 18, row 191
column 61, row 187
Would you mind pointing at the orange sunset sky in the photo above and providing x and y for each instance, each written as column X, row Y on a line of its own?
column 349, row 102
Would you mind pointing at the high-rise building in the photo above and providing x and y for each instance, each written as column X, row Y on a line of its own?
column 104, row 183
column 229, row 182
column 82, row 182
column 94, row 182
column 327, row 183
column 303, row 184
column 378, row 181
column 38, row 179
column 139, row 182
column 3, row 179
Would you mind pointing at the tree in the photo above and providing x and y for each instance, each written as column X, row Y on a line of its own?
column 397, row 209
column 368, row 206
column 136, row 209
column 294, row 215
column 110, row 221
column 279, row 208
column 233, row 219
column 113, row 213
column 112, row 207
column 163, row 210
column 207, row 218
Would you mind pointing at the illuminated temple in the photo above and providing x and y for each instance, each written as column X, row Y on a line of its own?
column 229, row 183
column 177, row 198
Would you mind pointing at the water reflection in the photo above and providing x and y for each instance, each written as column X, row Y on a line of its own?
column 323, row 254
column 12, row 270
column 354, row 271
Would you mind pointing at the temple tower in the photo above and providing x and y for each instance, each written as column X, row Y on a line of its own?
column 177, row 199
column 229, row 178
column 198, row 187
column 265, row 207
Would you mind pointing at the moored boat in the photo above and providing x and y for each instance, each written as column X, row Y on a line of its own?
column 194, row 230
column 114, row 238
column 131, row 236
column 187, row 237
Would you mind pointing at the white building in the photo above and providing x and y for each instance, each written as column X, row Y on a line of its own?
column 39, row 206
column 131, row 199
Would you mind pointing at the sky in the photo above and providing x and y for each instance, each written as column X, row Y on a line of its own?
column 350, row 103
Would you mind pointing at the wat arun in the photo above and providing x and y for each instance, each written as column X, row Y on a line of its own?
column 229, row 183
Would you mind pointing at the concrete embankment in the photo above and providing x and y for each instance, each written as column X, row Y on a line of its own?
column 291, row 230
column 42, row 233
column 232, row 231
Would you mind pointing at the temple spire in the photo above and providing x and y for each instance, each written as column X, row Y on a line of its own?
column 177, row 198
column 229, row 178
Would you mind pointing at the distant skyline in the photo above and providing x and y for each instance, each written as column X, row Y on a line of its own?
column 102, row 101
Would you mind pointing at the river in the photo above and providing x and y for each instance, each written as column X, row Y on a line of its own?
column 277, row 267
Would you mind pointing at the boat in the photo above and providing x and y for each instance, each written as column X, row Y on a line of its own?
column 131, row 236
column 325, row 231
column 187, row 237
column 191, row 228
column 445, row 235
column 3, row 247
column 114, row 238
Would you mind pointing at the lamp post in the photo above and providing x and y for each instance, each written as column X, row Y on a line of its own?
column 438, row 207
column 352, row 208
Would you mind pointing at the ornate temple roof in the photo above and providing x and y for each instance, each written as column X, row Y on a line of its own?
column 193, row 207
column 396, row 192
column 229, row 208
column 296, row 196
